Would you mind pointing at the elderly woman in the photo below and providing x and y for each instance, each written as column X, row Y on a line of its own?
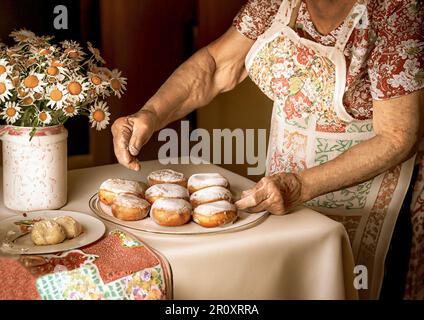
column 346, row 78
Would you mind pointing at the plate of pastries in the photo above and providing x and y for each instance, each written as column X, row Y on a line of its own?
column 171, row 203
column 49, row 231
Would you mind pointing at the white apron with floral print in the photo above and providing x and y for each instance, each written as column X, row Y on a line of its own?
column 310, row 126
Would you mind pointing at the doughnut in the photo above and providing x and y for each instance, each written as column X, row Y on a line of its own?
column 171, row 212
column 203, row 180
column 166, row 190
column 210, row 194
column 47, row 232
column 166, row 176
column 71, row 227
column 215, row 214
column 129, row 207
column 110, row 189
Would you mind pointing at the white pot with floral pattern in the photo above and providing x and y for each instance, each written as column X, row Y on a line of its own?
column 34, row 170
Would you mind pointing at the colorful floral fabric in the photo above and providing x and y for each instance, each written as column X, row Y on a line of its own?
column 118, row 267
column 384, row 54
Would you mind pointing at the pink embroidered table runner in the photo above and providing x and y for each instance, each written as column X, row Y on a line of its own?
column 119, row 266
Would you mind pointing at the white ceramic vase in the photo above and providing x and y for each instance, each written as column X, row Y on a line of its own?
column 34, row 171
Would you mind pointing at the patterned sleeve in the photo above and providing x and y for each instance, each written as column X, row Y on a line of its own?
column 255, row 17
column 396, row 65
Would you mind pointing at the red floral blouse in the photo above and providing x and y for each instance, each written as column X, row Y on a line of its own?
column 384, row 54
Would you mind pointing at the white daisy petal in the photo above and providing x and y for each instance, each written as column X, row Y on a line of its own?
column 6, row 87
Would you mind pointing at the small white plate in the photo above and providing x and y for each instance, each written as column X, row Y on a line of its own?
column 93, row 230
column 244, row 221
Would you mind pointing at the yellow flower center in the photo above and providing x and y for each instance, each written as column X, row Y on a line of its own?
column 42, row 116
column 56, row 95
column 27, row 101
column 52, row 71
column 21, row 37
column 44, row 52
column 115, row 84
column 2, row 88
column 70, row 109
column 30, row 62
column 96, row 80
column 10, row 112
column 2, row 69
column 56, row 63
column 21, row 92
column 98, row 115
column 74, row 88
column 38, row 96
column 73, row 54
column 31, row 81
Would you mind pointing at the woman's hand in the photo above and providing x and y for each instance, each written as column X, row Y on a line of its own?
column 276, row 194
column 130, row 134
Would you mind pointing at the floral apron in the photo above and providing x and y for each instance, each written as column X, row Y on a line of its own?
column 310, row 126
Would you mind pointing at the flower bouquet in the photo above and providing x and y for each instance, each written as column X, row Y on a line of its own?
column 42, row 85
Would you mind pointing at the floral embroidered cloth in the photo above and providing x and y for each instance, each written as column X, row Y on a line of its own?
column 117, row 267
column 384, row 59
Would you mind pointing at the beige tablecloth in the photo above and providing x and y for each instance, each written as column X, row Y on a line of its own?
column 303, row 255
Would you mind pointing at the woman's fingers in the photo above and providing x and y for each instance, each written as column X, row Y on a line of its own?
column 122, row 132
column 251, row 198
column 142, row 130
column 263, row 206
column 135, row 142
column 265, row 196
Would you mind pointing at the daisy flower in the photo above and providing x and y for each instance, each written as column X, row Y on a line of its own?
column 23, row 35
column 27, row 101
column 55, row 71
column 70, row 110
column 99, row 115
column 38, row 95
column 56, row 96
column 35, row 82
column 96, row 53
column 5, row 68
column 41, row 41
column 22, row 92
column 46, row 51
column 117, row 83
column 44, row 117
column 96, row 82
column 103, row 72
column 73, row 50
column 77, row 88
column 11, row 112
column 5, row 89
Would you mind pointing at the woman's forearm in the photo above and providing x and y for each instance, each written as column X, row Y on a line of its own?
column 189, row 87
column 217, row 68
column 399, row 130
column 358, row 164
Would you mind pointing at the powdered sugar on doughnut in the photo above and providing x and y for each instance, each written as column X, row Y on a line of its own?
column 122, row 186
column 203, row 180
column 166, row 176
column 167, row 190
column 209, row 209
column 211, row 194
column 175, row 205
column 131, row 201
